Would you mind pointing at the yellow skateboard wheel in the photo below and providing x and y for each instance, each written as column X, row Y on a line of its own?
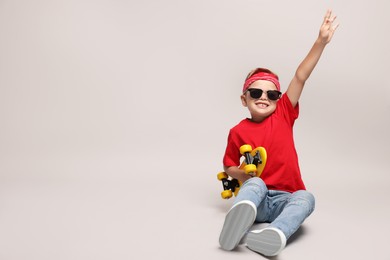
column 236, row 191
column 250, row 168
column 226, row 194
column 246, row 148
column 222, row 175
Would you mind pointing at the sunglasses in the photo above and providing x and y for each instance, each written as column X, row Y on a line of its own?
column 256, row 93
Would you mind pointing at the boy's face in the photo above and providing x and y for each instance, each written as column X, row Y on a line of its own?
column 262, row 107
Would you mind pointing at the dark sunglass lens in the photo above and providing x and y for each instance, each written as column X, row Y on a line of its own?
column 255, row 93
column 273, row 94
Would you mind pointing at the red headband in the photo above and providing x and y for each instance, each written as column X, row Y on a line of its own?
column 261, row 76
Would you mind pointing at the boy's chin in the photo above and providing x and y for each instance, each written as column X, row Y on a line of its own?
column 264, row 112
column 261, row 115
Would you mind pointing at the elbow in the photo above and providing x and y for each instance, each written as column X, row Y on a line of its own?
column 299, row 80
column 301, row 77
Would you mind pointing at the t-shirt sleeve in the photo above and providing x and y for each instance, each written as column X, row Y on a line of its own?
column 232, row 154
column 289, row 112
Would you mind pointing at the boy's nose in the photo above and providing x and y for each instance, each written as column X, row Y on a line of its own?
column 264, row 96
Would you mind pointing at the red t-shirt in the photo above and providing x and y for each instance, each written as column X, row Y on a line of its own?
column 275, row 134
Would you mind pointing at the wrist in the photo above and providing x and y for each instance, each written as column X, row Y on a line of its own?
column 321, row 41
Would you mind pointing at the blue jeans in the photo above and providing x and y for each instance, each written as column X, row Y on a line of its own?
column 283, row 210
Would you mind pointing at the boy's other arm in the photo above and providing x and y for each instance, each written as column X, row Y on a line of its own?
column 236, row 173
column 306, row 67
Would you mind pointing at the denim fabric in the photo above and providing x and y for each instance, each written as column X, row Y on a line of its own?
column 283, row 210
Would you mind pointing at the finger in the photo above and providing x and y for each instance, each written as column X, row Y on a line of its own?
column 327, row 15
column 329, row 18
column 335, row 27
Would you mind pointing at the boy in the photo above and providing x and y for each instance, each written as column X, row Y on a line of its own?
column 279, row 197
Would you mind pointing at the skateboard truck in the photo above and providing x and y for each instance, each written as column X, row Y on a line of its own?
column 230, row 186
column 251, row 161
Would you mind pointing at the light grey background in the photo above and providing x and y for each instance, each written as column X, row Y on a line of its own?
column 114, row 117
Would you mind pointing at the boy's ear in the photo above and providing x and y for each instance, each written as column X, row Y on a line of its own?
column 243, row 100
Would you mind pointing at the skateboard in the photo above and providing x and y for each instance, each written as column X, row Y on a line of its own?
column 253, row 164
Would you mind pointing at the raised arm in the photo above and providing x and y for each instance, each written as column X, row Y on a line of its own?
column 308, row 64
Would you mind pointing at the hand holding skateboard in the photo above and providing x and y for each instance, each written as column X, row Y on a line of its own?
column 253, row 164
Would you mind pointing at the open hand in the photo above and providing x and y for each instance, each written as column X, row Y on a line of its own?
column 328, row 27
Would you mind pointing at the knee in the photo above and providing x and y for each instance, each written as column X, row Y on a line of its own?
column 304, row 199
column 255, row 181
column 256, row 185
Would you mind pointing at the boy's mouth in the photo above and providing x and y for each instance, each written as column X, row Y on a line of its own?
column 262, row 105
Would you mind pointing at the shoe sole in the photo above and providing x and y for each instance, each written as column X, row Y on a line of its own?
column 237, row 222
column 268, row 242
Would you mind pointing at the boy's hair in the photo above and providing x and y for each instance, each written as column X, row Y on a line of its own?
column 261, row 74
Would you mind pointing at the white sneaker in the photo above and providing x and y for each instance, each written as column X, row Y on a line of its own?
column 237, row 222
column 268, row 241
